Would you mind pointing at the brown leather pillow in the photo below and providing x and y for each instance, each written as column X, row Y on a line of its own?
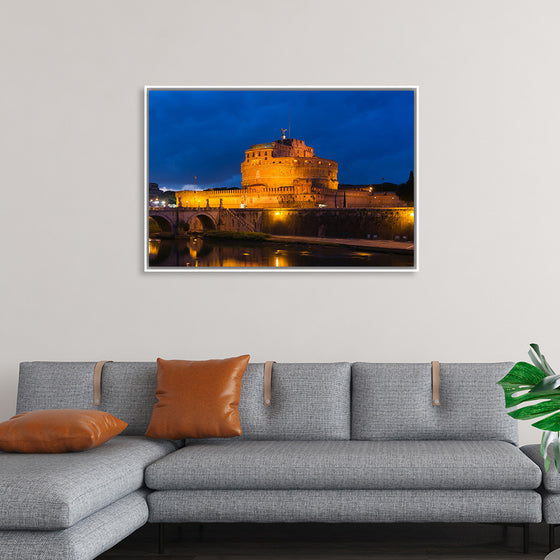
column 58, row 431
column 197, row 399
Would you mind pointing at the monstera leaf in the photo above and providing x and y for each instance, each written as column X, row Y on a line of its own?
column 526, row 383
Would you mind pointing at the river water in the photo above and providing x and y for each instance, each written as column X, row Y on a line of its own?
column 198, row 252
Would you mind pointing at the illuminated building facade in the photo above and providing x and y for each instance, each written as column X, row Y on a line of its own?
column 286, row 173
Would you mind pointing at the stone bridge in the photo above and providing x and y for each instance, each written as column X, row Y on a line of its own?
column 351, row 223
column 180, row 220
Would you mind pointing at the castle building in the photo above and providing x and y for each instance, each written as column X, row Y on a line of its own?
column 286, row 173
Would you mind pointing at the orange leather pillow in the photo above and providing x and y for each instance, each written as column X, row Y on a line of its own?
column 58, row 431
column 197, row 399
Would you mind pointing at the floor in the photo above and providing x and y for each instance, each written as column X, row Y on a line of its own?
column 330, row 542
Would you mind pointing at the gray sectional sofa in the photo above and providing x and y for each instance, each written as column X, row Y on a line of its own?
column 340, row 442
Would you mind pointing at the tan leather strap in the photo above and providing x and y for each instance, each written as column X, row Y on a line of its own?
column 268, row 383
column 97, row 371
column 435, row 384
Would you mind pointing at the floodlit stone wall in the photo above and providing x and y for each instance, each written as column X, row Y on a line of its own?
column 286, row 174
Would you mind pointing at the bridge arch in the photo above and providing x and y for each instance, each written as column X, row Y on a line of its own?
column 160, row 224
column 202, row 222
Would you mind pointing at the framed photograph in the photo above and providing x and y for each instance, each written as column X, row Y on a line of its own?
column 281, row 178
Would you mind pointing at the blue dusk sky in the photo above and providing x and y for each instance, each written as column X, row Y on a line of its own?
column 204, row 134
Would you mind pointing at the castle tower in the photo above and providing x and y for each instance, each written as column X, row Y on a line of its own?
column 287, row 162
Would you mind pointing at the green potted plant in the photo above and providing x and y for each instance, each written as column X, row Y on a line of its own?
column 526, row 383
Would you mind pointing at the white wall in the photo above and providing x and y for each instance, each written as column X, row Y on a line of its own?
column 71, row 152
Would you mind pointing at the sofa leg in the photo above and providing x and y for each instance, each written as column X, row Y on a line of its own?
column 161, row 538
column 525, row 538
column 551, row 528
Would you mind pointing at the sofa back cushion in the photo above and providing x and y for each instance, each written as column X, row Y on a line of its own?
column 309, row 401
column 127, row 389
column 44, row 385
column 394, row 402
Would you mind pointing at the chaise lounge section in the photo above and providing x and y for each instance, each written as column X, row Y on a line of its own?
column 74, row 506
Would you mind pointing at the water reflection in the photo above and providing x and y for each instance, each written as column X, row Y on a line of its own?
column 154, row 247
column 198, row 249
column 198, row 252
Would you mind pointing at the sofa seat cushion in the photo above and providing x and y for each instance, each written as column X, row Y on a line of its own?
column 290, row 465
column 85, row 540
column 55, row 491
